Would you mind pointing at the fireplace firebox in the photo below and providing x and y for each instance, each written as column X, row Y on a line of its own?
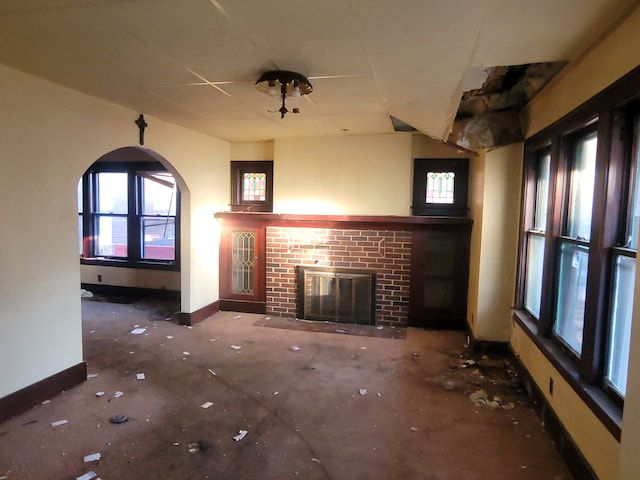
column 345, row 295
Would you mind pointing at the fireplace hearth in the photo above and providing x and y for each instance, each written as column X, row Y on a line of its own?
column 336, row 294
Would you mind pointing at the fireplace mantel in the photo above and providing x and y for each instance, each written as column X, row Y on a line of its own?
column 361, row 222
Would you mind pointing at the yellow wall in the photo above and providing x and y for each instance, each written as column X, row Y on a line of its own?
column 612, row 58
column 476, row 211
column 50, row 135
column 595, row 442
column 496, row 243
column 356, row 175
column 252, row 150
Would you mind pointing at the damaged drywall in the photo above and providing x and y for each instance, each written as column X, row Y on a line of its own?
column 489, row 116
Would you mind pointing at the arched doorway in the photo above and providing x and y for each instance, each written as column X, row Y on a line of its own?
column 129, row 223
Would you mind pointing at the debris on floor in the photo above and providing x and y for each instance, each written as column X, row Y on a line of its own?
column 206, row 405
column 295, row 348
column 448, row 384
column 119, row 419
column 87, row 476
column 140, row 376
column 59, row 422
column 491, row 376
column 481, row 398
column 138, row 331
column 241, row 435
column 94, row 457
column 363, row 391
column 117, row 394
column 199, row 446
column 235, row 347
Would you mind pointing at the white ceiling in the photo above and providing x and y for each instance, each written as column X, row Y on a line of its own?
column 195, row 62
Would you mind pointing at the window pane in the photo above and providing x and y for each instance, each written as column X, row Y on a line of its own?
column 80, row 196
column 533, row 280
column 542, row 193
column 158, row 234
column 80, row 235
column 620, row 333
column 158, row 193
column 254, row 187
column 112, row 193
column 112, row 237
column 572, row 286
column 440, row 187
column 582, row 182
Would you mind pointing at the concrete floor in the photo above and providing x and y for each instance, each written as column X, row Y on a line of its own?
column 314, row 406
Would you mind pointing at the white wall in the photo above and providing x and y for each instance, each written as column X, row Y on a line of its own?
column 49, row 135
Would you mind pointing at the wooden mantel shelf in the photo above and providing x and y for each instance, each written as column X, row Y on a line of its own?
column 384, row 222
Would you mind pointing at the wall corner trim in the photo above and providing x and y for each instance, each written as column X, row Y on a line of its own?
column 199, row 315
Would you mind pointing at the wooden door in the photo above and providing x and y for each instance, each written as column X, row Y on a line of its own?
column 243, row 269
column 439, row 278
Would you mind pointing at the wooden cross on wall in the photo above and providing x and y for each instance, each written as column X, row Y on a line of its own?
column 141, row 125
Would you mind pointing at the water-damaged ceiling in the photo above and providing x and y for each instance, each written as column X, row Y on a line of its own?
column 195, row 62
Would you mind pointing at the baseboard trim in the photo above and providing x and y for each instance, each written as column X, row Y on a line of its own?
column 199, row 315
column 243, row 306
column 565, row 445
column 28, row 397
column 487, row 346
column 120, row 291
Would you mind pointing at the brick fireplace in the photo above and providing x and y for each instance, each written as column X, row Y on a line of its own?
column 402, row 255
column 387, row 253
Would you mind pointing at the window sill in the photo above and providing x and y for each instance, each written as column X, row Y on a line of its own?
column 603, row 407
column 142, row 265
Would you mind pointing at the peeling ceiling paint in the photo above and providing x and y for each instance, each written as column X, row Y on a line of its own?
column 489, row 116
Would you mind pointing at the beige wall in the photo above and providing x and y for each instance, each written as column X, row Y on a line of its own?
column 496, row 243
column 130, row 277
column 252, row 150
column 50, row 135
column 595, row 442
column 357, row 175
column 476, row 212
column 612, row 58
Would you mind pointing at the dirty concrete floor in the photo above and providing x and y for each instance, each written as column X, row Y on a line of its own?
column 314, row 406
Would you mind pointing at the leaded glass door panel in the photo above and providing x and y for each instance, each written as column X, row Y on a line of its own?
column 242, row 269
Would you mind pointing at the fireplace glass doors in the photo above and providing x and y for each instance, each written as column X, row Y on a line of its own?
column 336, row 295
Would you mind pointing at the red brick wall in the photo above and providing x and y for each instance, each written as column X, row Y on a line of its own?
column 388, row 253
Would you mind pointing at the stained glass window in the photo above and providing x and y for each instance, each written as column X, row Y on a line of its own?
column 254, row 187
column 440, row 187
